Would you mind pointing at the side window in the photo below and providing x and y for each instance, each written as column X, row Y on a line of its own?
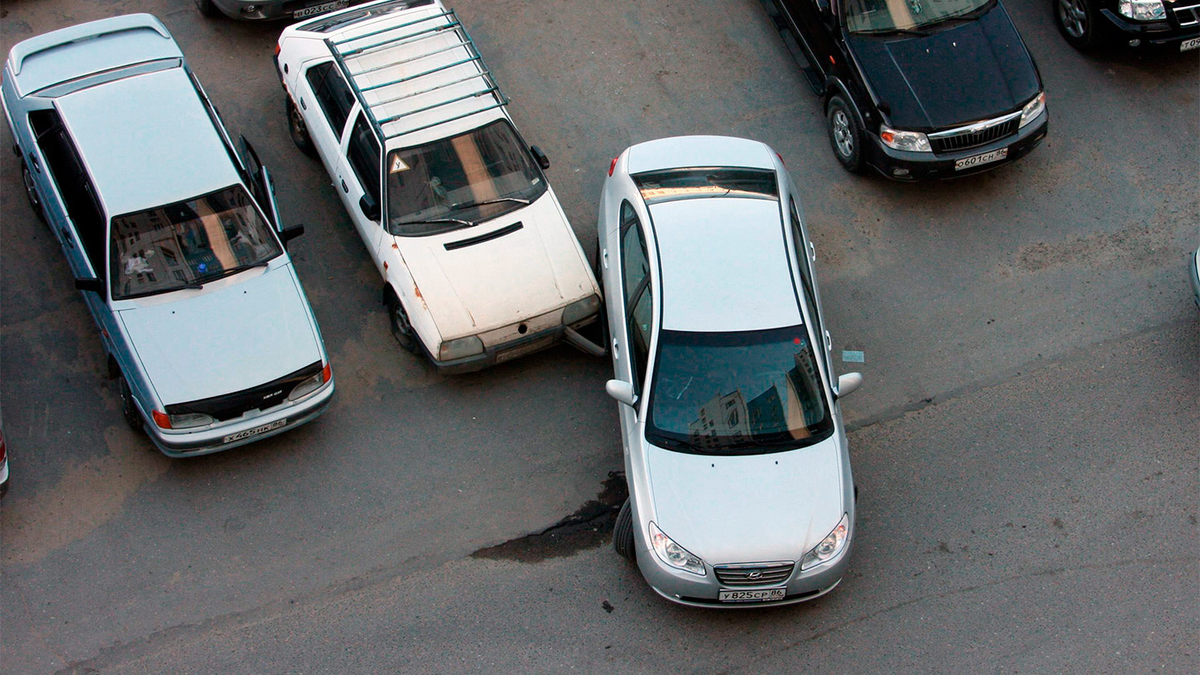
column 332, row 93
column 635, row 283
column 65, row 169
column 806, row 281
column 364, row 156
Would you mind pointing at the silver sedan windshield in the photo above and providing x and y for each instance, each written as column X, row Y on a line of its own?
column 737, row 393
column 188, row 243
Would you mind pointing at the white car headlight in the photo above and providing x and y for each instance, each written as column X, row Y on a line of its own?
column 462, row 347
column 830, row 546
column 1142, row 10
column 673, row 554
column 190, row 420
column 913, row 141
column 580, row 309
column 308, row 386
column 1032, row 109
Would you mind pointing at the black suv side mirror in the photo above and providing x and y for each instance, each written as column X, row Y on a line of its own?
column 95, row 285
column 539, row 157
column 369, row 208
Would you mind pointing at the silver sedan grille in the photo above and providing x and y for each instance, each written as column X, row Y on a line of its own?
column 754, row 574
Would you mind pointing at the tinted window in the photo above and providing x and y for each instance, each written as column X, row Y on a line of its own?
column 188, row 243
column 665, row 186
column 737, row 393
column 640, row 314
column 866, row 17
column 634, row 265
column 806, row 281
column 363, row 153
column 66, row 171
column 460, row 181
column 332, row 93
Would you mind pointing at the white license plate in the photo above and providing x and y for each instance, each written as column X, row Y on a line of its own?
column 985, row 158
column 320, row 9
column 757, row 595
column 1193, row 43
column 255, row 431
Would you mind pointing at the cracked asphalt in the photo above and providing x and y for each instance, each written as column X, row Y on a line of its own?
column 1026, row 442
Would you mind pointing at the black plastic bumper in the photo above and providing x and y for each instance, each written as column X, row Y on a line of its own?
column 904, row 165
column 1155, row 33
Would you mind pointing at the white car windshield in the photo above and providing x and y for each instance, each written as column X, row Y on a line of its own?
column 188, row 243
column 866, row 17
column 459, row 181
column 737, row 393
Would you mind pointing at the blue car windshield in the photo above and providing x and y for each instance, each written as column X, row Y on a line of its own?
column 187, row 244
column 737, row 393
column 866, row 17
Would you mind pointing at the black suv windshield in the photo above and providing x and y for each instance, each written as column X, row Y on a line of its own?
column 865, row 17
column 737, row 393
column 459, row 181
column 188, row 243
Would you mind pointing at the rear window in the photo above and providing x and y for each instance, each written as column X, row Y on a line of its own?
column 331, row 23
column 702, row 182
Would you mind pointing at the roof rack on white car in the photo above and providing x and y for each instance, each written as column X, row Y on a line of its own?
column 451, row 72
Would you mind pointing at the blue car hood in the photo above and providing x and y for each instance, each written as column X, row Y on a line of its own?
column 223, row 340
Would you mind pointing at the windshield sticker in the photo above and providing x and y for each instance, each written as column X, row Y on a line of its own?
column 398, row 165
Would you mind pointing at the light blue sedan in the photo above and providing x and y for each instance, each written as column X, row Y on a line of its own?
column 172, row 234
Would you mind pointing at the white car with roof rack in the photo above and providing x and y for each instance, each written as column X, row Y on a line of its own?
column 478, row 260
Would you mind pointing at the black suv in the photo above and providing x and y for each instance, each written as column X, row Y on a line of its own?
column 919, row 88
column 1086, row 24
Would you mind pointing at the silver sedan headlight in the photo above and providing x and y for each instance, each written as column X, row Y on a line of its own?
column 912, row 141
column 460, row 348
column 830, row 547
column 673, row 554
column 1034, row 108
column 1142, row 10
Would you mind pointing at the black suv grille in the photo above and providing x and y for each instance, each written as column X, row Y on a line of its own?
column 754, row 574
column 1186, row 16
column 230, row 406
column 971, row 139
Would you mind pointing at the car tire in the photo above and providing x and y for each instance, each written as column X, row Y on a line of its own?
column 298, row 129
column 35, row 201
column 623, row 533
column 1079, row 23
column 845, row 134
column 207, row 8
column 129, row 408
column 402, row 328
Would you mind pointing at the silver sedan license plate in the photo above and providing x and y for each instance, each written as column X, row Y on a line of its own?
column 255, row 431
column 320, row 9
column 985, row 158
column 1193, row 43
column 757, row 595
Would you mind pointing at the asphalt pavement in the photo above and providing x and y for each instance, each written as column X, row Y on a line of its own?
column 1026, row 441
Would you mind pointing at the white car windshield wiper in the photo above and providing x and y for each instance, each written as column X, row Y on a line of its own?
column 497, row 200
column 230, row 272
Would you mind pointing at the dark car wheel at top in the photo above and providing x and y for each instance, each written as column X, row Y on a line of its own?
column 299, row 130
column 207, row 8
column 1077, row 21
column 845, row 135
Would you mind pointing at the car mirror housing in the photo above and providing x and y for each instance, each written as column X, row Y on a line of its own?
column 539, row 157
column 370, row 208
column 621, row 391
column 95, row 285
column 289, row 233
column 848, row 383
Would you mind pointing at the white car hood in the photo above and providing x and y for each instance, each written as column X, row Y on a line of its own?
column 759, row 508
column 500, row 281
column 225, row 339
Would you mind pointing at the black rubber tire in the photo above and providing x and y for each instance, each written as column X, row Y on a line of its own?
column 129, row 409
column 401, row 327
column 1092, row 25
column 297, row 129
column 845, row 134
column 35, row 202
column 623, row 533
column 207, row 8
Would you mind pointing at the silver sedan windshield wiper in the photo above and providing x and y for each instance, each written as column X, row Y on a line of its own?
column 497, row 200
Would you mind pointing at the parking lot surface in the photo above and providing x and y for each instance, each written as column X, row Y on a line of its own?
column 1025, row 443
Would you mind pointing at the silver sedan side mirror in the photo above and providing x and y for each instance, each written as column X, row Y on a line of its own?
column 621, row 391
column 848, row 383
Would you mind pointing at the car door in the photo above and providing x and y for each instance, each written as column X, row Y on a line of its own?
column 806, row 255
column 815, row 23
column 261, row 185
column 632, row 310
column 357, row 180
column 325, row 102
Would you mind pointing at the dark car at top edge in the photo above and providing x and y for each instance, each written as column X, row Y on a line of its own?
column 919, row 88
column 1167, row 24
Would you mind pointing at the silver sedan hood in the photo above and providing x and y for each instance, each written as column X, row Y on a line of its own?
column 758, row 508
column 223, row 340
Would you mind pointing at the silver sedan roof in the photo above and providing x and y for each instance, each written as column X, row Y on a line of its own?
column 147, row 141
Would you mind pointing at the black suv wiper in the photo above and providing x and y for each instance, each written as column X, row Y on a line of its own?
column 497, row 200
column 894, row 31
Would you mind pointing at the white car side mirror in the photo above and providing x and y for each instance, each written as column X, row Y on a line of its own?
column 621, row 391
column 848, row 383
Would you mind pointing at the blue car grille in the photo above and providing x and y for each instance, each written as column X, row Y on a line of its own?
column 231, row 406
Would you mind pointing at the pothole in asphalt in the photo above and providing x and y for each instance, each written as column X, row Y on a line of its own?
column 586, row 528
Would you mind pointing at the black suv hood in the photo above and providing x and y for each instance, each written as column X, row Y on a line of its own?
column 968, row 72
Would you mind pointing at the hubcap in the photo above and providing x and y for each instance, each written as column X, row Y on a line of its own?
column 1073, row 17
column 841, row 133
column 30, row 191
column 400, row 322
